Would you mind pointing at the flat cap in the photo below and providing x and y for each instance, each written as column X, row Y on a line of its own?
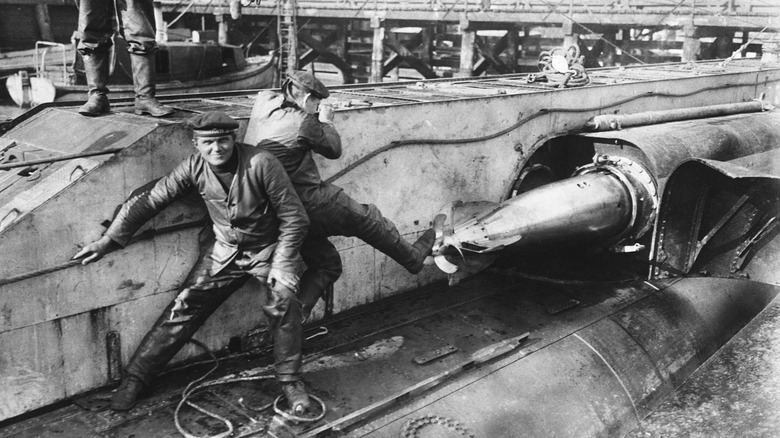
column 307, row 81
column 213, row 124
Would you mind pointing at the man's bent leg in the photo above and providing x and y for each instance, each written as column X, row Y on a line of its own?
column 345, row 216
column 178, row 322
column 323, row 268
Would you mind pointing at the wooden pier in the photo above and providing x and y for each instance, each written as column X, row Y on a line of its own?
column 375, row 41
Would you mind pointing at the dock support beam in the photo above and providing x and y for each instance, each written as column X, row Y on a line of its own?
column 569, row 36
column 691, row 43
column 378, row 49
column 466, row 49
column 222, row 29
column 513, row 42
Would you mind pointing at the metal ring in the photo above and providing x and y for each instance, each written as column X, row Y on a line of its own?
column 293, row 417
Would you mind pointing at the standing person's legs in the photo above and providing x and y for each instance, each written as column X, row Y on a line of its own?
column 138, row 30
column 95, row 31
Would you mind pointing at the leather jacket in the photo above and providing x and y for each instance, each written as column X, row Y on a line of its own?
column 260, row 209
column 292, row 135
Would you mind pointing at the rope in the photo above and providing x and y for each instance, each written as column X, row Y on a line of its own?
column 742, row 47
column 39, row 272
column 181, row 14
column 594, row 33
column 142, row 236
column 196, row 385
column 461, row 141
column 550, row 77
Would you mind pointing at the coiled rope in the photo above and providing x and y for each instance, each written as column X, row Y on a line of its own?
column 550, row 76
column 196, row 385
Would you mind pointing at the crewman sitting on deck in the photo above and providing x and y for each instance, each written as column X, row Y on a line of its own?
column 294, row 124
column 259, row 226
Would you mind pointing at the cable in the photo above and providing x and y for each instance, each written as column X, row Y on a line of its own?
column 196, row 385
column 519, row 123
column 742, row 47
column 181, row 14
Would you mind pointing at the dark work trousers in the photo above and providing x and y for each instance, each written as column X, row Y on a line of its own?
column 343, row 216
column 202, row 294
column 96, row 25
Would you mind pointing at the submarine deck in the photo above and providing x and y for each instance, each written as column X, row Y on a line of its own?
column 377, row 95
column 354, row 360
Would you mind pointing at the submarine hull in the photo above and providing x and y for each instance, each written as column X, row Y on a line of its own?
column 59, row 321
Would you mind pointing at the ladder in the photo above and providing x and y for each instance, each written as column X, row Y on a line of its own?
column 287, row 14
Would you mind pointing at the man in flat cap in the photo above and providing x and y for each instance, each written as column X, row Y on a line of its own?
column 293, row 125
column 259, row 224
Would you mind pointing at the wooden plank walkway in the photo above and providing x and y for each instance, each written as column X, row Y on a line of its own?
column 743, row 14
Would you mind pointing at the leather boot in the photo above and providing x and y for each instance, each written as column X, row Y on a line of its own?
column 283, row 311
column 422, row 248
column 144, row 81
column 297, row 398
column 126, row 396
column 310, row 289
column 96, row 68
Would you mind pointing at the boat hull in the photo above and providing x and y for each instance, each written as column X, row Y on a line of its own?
column 252, row 77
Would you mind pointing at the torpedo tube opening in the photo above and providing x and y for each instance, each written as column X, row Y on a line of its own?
column 573, row 212
column 586, row 206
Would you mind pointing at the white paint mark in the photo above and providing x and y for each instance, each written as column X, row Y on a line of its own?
column 613, row 373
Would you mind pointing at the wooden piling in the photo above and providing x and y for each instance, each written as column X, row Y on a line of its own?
column 468, row 37
column 691, row 43
column 378, row 49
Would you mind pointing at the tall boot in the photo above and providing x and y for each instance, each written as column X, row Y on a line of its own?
column 96, row 68
column 410, row 256
column 283, row 311
column 311, row 287
column 144, row 81
column 323, row 263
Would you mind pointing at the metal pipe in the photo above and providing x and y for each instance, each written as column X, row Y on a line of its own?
column 608, row 122
column 60, row 158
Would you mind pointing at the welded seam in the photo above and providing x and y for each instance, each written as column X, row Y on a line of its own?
column 631, row 399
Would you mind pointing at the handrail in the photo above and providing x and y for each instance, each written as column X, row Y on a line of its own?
column 40, row 64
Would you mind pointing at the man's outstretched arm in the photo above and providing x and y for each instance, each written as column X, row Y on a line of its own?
column 135, row 212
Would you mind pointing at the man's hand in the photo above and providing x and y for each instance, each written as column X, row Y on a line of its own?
column 95, row 250
column 283, row 278
column 326, row 113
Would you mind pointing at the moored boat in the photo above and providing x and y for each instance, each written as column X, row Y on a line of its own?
column 182, row 67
